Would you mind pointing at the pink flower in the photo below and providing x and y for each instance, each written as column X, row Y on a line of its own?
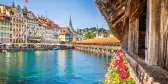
column 118, row 52
column 124, row 67
column 118, row 62
column 122, row 79
column 123, row 74
column 114, row 65
column 120, row 58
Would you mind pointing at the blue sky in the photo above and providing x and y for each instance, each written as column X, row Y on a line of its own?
column 84, row 13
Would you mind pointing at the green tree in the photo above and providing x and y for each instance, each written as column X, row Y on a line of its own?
column 90, row 35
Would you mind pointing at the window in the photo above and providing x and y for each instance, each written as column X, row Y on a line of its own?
column 1, row 34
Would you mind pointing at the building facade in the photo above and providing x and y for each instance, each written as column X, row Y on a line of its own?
column 65, row 35
column 51, row 35
column 18, row 25
column 5, row 28
column 23, row 26
column 34, row 29
column 5, row 9
column 51, row 31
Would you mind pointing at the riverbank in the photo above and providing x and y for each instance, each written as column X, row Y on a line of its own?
column 33, row 47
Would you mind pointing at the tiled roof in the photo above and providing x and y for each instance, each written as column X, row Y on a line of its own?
column 48, row 23
column 99, row 41
column 8, row 7
column 64, row 30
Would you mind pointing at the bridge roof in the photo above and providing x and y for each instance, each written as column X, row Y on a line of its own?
column 98, row 41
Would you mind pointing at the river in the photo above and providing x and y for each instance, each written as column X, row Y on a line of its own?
column 52, row 67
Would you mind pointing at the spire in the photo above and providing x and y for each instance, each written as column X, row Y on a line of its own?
column 46, row 14
column 18, row 8
column 70, row 25
column 97, row 32
column 13, row 3
column 25, row 9
column 97, row 29
column 70, row 21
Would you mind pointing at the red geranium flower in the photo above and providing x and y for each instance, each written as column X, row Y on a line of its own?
column 122, row 79
column 124, row 67
column 123, row 74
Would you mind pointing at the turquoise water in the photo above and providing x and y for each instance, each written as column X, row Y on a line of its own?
column 52, row 67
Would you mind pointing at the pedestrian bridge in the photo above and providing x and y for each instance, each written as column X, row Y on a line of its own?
column 106, row 46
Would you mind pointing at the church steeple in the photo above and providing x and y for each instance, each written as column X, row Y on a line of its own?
column 70, row 25
column 97, row 32
column 13, row 4
column 70, row 22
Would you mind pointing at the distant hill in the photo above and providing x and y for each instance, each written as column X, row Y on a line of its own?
column 90, row 33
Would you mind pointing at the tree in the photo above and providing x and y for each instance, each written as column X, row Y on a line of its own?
column 90, row 35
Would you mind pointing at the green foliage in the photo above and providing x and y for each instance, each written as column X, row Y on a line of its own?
column 90, row 35
column 62, row 42
column 93, row 30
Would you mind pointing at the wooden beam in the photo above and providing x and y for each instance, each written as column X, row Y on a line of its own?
column 154, row 9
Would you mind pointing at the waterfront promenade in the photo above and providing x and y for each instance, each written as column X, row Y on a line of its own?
column 31, row 46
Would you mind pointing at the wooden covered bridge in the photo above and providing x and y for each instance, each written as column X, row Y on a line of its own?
column 106, row 46
column 142, row 28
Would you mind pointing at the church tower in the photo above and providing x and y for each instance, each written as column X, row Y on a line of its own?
column 97, row 32
column 70, row 26
column 13, row 4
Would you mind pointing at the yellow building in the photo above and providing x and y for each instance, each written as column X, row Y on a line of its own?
column 5, row 29
column 4, row 9
column 65, row 35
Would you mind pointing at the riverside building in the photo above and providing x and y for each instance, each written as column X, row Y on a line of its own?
column 65, row 35
column 51, row 31
column 34, row 29
column 5, row 28
column 18, row 25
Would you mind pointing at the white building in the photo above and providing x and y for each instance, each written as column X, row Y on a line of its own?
column 17, row 25
column 51, row 35
column 34, row 29
column 51, row 30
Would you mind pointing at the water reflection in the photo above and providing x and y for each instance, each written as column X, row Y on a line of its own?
column 59, row 66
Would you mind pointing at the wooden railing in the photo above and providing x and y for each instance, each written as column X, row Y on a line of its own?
column 99, row 46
